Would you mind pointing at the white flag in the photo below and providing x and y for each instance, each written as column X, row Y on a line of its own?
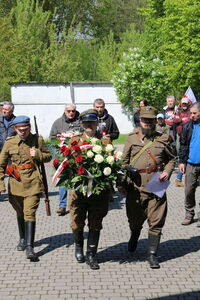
column 190, row 95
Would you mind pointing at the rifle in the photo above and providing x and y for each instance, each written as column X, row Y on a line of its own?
column 44, row 178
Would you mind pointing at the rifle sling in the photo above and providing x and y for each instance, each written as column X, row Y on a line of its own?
column 137, row 156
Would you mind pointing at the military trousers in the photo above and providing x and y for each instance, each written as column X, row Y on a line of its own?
column 94, row 208
column 25, row 207
column 141, row 206
column 192, row 178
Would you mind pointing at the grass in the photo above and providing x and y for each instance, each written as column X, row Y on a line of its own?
column 120, row 140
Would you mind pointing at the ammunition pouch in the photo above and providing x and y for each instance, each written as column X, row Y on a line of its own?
column 11, row 170
column 133, row 174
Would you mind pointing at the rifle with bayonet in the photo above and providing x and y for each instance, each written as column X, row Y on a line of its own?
column 44, row 178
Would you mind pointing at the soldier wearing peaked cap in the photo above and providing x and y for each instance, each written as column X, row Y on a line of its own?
column 148, row 151
column 25, row 151
column 93, row 207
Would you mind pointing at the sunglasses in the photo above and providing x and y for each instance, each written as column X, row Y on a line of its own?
column 73, row 110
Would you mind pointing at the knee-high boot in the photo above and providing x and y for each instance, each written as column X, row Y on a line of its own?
column 30, row 235
column 92, row 244
column 21, row 226
column 78, row 240
column 132, row 244
column 154, row 241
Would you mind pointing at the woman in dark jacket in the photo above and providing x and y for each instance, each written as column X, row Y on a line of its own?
column 136, row 116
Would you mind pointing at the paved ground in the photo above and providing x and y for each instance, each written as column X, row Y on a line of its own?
column 56, row 275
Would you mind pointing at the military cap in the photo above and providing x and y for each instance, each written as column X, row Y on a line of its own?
column 148, row 112
column 90, row 115
column 21, row 121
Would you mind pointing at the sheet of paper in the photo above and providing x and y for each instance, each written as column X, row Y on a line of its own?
column 156, row 186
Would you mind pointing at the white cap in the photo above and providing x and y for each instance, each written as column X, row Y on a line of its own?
column 160, row 116
column 184, row 100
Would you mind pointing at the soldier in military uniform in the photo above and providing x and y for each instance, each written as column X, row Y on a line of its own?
column 94, row 207
column 24, row 151
column 148, row 151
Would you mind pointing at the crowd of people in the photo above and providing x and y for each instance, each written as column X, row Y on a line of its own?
column 150, row 154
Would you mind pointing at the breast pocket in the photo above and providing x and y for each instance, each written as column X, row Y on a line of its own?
column 158, row 152
column 14, row 154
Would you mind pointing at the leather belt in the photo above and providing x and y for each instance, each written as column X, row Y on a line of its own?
column 149, row 169
column 25, row 166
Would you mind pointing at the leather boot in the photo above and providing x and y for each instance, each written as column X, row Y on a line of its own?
column 154, row 241
column 132, row 244
column 78, row 239
column 21, row 226
column 30, row 235
column 92, row 244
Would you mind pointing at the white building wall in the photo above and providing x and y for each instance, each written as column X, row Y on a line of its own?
column 47, row 102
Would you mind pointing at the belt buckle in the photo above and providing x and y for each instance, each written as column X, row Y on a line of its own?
column 148, row 170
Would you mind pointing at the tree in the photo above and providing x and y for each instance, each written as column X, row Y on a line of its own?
column 175, row 37
column 140, row 77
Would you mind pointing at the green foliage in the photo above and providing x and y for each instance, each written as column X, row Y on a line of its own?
column 115, row 16
column 66, row 40
column 175, row 37
column 106, row 58
column 140, row 77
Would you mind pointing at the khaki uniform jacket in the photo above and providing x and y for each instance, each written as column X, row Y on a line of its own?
column 160, row 149
column 17, row 152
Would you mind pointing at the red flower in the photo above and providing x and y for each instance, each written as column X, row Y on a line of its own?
column 55, row 162
column 76, row 148
column 62, row 149
column 65, row 164
column 79, row 158
column 67, row 152
column 74, row 143
column 81, row 170
column 85, row 143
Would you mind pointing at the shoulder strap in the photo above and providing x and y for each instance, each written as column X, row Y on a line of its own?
column 135, row 158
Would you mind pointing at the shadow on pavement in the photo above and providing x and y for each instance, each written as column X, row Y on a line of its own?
column 177, row 248
column 119, row 253
column 168, row 250
column 3, row 197
column 195, row 295
column 117, row 201
column 54, row 242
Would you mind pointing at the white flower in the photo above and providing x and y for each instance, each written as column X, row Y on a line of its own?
column 110, row 160
column 118, row 154
column 94, row 140
column 90, row 154
column 109, row 148
column 68, row 134
column 107, row 171
column 97, row 149
column 98, row 158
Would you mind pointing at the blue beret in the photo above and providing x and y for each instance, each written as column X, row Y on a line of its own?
column 90, row 115
column 21, row 121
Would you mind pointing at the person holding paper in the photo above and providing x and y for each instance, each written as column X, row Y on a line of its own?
column 148, row 152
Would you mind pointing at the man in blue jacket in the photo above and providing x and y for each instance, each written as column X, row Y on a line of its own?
column 6, row 120
column 189, row 156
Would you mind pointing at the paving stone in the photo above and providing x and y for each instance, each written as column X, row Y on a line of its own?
column 121, row 276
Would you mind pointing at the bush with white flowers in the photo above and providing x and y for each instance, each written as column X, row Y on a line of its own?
column 139, row 76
